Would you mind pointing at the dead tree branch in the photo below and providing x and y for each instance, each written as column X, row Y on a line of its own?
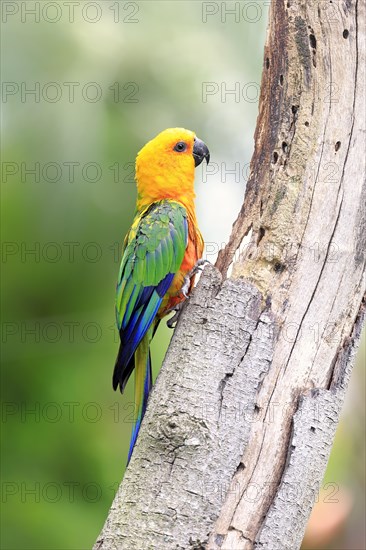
column 241, row 420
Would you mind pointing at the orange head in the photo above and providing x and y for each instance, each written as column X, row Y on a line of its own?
column 165, row 166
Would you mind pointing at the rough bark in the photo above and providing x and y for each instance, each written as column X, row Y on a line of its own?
column 241, row 420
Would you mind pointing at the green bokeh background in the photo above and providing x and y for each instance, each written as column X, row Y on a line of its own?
column 65, row 432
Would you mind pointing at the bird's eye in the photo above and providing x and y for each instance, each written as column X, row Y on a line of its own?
column 180, row 147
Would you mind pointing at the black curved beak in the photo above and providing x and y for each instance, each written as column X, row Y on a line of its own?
column 200, row 152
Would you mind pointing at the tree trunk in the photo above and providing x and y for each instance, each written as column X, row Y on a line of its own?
column 241, row 420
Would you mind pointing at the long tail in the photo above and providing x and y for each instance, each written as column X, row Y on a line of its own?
column 143, row 383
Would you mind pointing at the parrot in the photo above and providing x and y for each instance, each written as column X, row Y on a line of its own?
column 161, row 254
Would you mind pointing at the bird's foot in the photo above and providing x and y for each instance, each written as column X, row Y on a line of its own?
column 171, row 323
column 199, row 265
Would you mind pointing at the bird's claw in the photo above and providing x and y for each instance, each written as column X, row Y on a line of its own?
column 173, row 320
column 199, row 265
column 185, row 289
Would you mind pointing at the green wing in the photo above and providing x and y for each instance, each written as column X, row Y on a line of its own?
column 154, row 251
